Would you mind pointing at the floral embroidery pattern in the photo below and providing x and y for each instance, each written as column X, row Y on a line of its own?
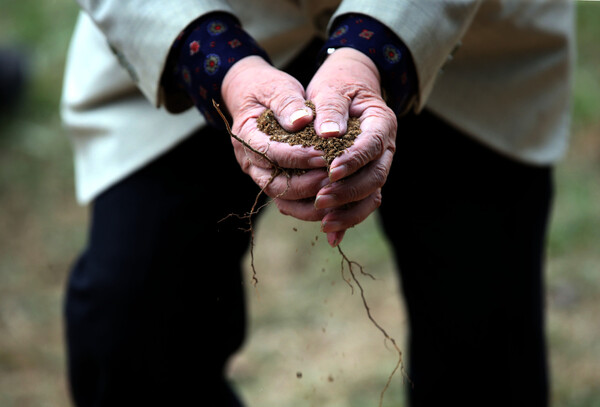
column 234, row 43
column 340, row 31
column 211, row 64
column 216, row 28
column 185, row 74
column 366, row 34
column 194, row 47
column 203, row 54
column 391, row 54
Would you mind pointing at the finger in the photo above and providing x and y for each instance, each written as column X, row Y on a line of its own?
column 358, row 186
column 282, row 154
column 286, row 187
column 296, row 187
column 289, row 107
column 335, row 238
column 378, row 134
column 331, row 108
column 300, row 209
column 343, row 218
column 247, row 157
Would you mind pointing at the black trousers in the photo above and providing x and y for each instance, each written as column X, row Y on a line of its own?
column 468, row 229
column 155, row 305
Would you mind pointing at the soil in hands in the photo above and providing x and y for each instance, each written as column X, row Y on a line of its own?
column 332, row 147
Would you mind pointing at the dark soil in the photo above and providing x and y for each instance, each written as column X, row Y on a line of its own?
column 332, row 147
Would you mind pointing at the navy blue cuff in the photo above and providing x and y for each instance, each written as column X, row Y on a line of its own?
column 202, row 55
column 388, row 52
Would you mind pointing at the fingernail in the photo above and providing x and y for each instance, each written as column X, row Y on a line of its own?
column 332, row 239
column 337, row 173
column 330, row 129
column 324, row 201
column 297, row 115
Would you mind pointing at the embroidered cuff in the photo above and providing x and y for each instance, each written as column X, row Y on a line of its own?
column 203, row 53
column 388, row 52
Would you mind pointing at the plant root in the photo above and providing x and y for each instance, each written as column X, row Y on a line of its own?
column 345, row 262
column 254, row 210
column 399, row 364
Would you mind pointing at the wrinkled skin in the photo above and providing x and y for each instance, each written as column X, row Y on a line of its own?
column 347, row 84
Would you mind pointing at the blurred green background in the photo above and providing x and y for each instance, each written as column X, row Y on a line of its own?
column 310, row 341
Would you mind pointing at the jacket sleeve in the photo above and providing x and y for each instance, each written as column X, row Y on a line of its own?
column 141, row 33
column 431, row 30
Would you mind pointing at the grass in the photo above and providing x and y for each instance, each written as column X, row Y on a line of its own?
column 304, row 318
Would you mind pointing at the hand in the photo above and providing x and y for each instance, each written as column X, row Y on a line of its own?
column 251, row 86
column 348, row 84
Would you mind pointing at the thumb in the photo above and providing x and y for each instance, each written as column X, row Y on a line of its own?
column 291, row 111
column 331, row 113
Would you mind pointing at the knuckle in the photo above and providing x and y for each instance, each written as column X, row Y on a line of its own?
column 264, row 181
column 293, row 161
column 379, row 142
column 380, row 174
column 246, row 166
column 356, row 218
column 392, row 147
column 362, row 210
column 358, row 158
column 332, row 103
column 377, row 198
column 285, row 102
column 352, row 194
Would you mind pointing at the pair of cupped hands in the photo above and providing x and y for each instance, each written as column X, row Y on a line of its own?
column 346, row 84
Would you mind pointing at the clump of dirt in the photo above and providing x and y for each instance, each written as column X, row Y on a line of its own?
column 332, row 147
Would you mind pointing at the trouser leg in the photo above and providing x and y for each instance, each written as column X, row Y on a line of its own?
column 154, row 306
column 468, row 227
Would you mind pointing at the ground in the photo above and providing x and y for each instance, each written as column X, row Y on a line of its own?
column 303, row 316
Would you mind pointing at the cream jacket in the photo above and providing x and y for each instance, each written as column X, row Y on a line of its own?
column 499, row 70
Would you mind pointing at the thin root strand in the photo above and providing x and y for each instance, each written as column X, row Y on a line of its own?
column 387, row 337
column 277, row 170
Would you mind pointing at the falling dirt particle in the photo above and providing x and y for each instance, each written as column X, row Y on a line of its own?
column 330, row 379
column 312, row 243
column 317, row 237
column 295, row 229
column 299, row 375
column 323, row 270
column 323, row 329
